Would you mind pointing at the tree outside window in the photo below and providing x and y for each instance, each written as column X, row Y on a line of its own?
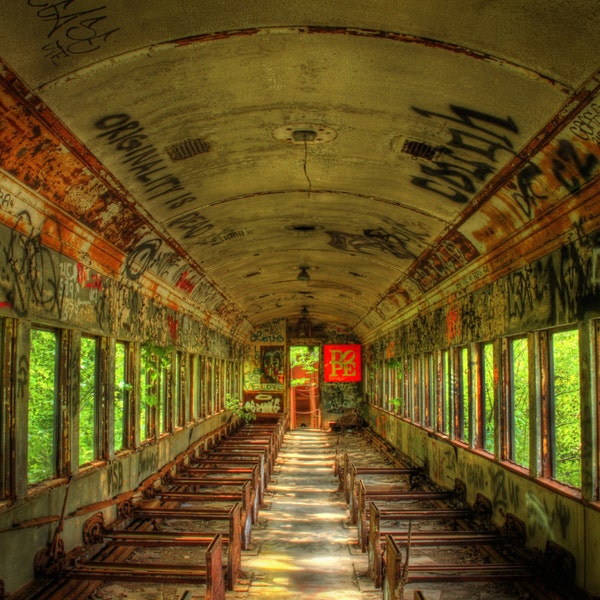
column 42, row 408
column 519, row 402
column 87, row 400
column 566, row 407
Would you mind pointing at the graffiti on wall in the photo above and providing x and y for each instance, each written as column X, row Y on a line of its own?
column 146, row 163
column 565, row 165
column 401, row 240
column 341, row 396
column 264, row 402
column 37, row 281
column 559, row 288
column 72, row 29
column 470, row 156
column 272, row 361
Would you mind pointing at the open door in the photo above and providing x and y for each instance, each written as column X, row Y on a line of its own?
column 305, row 398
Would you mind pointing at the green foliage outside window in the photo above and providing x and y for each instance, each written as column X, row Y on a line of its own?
column 520, row 426
column 465, row 431
column 489, row 398
column 87, row 401
column 41, row 462
column 121, row 390
column 306, row 360
column 156, row 361
column 567, row 407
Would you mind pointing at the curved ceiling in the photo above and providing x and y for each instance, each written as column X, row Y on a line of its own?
column 264, row 136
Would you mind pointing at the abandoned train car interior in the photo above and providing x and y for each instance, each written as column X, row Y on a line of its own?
column 349, row 218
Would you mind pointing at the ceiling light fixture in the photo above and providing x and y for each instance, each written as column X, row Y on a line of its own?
column 304, row 324
column 303, row 274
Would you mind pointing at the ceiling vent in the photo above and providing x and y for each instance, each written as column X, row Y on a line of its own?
column 419, row 149
column 187, row 149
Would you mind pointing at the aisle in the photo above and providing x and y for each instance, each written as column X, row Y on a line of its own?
column 302, row 546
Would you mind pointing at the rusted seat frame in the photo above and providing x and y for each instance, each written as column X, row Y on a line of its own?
column 381, row 494
column 231, row 515
column 209, row 573
column 399, row 573
column 349, row 471
column 375, row 535
column 218, row 459
column 190, row 483
column 243, row 495
column 222, row 472
column 265, row 445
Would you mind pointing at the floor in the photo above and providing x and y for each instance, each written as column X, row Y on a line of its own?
column 302, row 546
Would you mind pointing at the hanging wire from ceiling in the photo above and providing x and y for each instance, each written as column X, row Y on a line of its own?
column 305, row 167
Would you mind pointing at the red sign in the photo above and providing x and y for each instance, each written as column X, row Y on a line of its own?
column 342, row 362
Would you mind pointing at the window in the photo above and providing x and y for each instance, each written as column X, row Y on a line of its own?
column 202, row 386
column 398, row 389
column 463, row 421
column 220, row 384
column 394, row 378
column 488, row 401
column 178, row 400
column 209, row 385
column 565, row 407
column 122, row 388
column 153, row 416
column 446, row 392
column 518, row 402
column 195, row 409
column 42, row 408
column 417, row 388
column 406, row 387
column 429, row 390
column 88, row 417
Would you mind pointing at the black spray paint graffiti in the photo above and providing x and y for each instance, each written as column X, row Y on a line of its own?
column 22, row 378
column 458, row 175
column 6, row 199
column 541, row 520
column 115, row 477
column 587, row 124
column 30, row 276
column 72, row 31
column 570, row 168
column 143, row 159
column 559, row 288
column 192, row 224
column 148, row 256
column 393, row 239
column 506, row 494
column 148, row 462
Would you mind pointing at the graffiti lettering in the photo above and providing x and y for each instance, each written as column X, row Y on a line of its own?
column 480, row 134
column 520, row 297
column 568, row 166
column 142, row 159
column 184, row 283
column 571, row 168
column 587, row 125
column 115, row 477
column 148, row 462
column 193, row 224
column 72, row 31
column 33, row 279
column 22, row 377
column 173, row 324
column 394, row 241
column 6, row 200
column 147, row 256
